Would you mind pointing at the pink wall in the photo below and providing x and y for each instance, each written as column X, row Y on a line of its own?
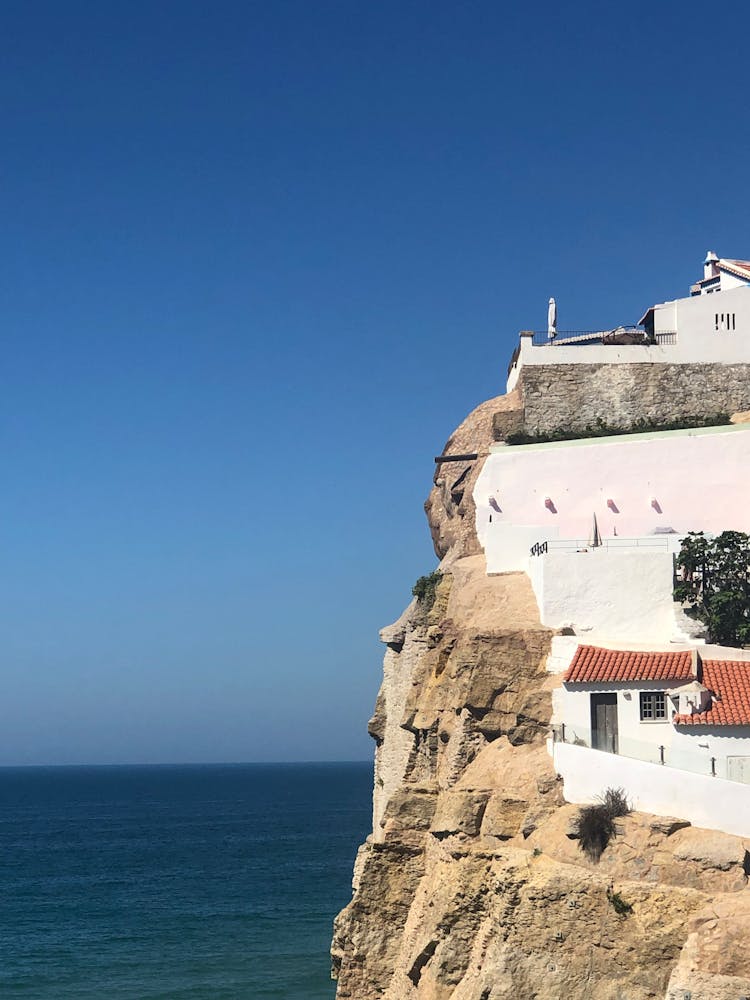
column 700, row 480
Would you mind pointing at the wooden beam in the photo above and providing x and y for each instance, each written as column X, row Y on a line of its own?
column 439, row 459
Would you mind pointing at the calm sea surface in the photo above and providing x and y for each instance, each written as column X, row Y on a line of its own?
column 215, row 882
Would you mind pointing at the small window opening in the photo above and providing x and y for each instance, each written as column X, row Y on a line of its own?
column 653, row 706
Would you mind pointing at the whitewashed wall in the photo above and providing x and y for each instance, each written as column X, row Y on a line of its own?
column 699, row 480
column 728, row 281
column 606, row 594
column 508, row 545
column 562, row 651
column 693, row 748
column 638, row 739
column 713, row 803
column 694, row 319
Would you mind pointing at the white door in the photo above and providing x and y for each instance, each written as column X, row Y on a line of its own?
column 738, row 769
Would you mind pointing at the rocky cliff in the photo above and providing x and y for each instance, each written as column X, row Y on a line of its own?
column 473, row 885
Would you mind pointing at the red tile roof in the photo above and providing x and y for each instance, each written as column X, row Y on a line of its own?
column 592, row 664
column 730, row 682
column 739, row 267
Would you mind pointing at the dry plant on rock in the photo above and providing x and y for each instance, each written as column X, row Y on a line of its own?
column 595, row 824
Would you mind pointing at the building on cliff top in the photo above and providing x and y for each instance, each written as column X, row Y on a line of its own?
column 595, row 520
column 692, row 330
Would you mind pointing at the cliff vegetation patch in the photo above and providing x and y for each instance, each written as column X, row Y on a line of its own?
column 595, row 824
column 425, row 589
column 620, row 906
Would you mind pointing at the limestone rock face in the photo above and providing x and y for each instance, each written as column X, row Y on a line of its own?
column 473, row 884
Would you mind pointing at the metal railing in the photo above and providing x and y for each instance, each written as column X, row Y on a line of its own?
column 572, row 338
column 542, row 338
column 660, row 544
column 658, row 752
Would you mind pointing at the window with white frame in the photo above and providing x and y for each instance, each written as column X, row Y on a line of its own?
column 653, row 706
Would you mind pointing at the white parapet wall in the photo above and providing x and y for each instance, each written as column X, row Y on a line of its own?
column 507, row 547
column 713, row 803
column 619, row 594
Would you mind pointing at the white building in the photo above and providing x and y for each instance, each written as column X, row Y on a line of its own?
column 643, row 703
column 535, row 507
column 655, row 722
column 721, row 275
column 711, row 325
column 685, row 708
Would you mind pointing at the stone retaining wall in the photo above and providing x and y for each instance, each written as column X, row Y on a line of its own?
column 574, row 397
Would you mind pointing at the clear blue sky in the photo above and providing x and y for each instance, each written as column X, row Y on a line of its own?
column 259, row 259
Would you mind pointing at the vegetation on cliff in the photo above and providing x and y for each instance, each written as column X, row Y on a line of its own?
column 595, row 824
column 425, row 589
column 602, row 429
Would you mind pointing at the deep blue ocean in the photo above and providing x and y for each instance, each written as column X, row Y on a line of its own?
column 184, row 882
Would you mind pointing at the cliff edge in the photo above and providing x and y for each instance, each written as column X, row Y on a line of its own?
column 473, row 885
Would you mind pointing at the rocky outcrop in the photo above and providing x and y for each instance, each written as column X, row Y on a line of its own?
column 450, row 506
column 473, row 885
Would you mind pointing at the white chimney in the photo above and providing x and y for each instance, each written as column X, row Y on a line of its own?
column 710, row 270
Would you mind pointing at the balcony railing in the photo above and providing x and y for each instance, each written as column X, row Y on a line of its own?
column 697, row 761
column 660, row 544
column 541, row 338
column 576, row 338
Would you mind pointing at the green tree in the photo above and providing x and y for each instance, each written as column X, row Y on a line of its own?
column 713, row 578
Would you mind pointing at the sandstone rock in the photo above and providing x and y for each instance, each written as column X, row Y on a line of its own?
column 667, row 824
column 410, row 808
column 394, row 635
column 503, row 816
column 450, row 514
column 715, row 850
column 459, row 812
column 714, row 963
column 533, row 818
column 367, row 934
column 376, row 725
